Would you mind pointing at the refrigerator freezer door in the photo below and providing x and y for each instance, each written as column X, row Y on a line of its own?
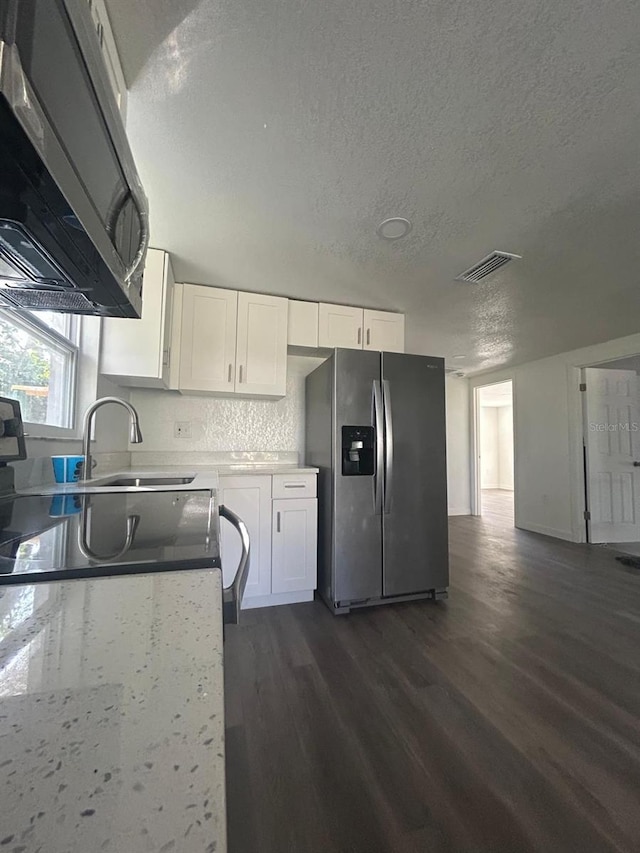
column 415, row 534
column 357, row 541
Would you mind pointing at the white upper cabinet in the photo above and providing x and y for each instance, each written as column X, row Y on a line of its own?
column 340, row 326
column 261, row 352
column 357, row 328
column 303, row 324
column 139, row 352
column 110, row 54
column 383, row 331
column 208, row 339
column 230, row 342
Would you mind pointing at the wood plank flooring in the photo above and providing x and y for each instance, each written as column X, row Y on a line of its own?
column 497, row 504
column 504, row 719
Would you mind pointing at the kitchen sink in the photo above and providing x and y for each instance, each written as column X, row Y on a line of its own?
column 146, row 481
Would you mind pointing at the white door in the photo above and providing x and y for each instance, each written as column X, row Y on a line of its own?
column 250, row 499
column 295, row 544
column 612, row 436
column 383, row 331
column 261, row 355
column 339, row 326
column 208, row 338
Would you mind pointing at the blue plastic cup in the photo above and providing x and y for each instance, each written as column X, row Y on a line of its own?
column 67, row 469
column 62, row 505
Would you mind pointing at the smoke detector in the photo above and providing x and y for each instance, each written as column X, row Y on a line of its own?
column 487, row 266
column 394, row 228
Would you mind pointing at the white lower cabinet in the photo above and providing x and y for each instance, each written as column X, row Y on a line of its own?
column 282, row 532
column 250, row 498
column 294, row 539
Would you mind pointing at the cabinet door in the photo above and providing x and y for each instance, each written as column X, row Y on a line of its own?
column 261, row 355
column 249, row 498
column 383, row 331
column 166, row 322
column 208, row 338
column 303, row 324
column 339, row 326
column 110, row 54
column 135, row 352
column 295, row 545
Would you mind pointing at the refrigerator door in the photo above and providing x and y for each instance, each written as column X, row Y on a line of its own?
column 414, row 521
column 357, row 540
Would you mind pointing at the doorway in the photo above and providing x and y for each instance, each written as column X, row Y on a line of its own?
column 494, row 448
column 611, row 413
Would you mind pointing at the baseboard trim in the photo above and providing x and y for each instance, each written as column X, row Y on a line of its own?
column 455, row 510
column 567, row 535
column 274, row 600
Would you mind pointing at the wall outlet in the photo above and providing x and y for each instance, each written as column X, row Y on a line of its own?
column 182, row 429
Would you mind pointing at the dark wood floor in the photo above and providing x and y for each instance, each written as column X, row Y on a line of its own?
column 504, row 719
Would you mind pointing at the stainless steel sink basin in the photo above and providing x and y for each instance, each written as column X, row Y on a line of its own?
column 146, row 481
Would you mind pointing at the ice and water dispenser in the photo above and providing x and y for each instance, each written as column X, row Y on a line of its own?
column 358, row 451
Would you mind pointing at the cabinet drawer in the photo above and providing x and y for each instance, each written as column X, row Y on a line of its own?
column 294, row 486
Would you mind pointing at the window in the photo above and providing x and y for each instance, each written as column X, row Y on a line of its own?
column 38, row 364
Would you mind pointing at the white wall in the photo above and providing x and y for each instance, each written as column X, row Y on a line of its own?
column 496, row 447
column 505, row 447
column 548, row 436
column 489, row 459
column 458, row 457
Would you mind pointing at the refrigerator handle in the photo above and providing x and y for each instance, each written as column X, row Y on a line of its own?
column 388, row 446
column 377, row 422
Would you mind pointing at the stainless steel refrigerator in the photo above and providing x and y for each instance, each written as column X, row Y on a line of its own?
column 375, row 427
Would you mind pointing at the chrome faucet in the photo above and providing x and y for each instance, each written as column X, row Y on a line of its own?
column 135, row 436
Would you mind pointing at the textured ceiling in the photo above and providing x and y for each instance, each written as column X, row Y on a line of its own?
column 273, row 136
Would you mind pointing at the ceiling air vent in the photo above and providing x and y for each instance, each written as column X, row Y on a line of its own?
column 487, row 266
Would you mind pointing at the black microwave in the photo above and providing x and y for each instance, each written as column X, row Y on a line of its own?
column 73, row 213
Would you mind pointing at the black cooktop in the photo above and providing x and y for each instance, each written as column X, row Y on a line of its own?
column 54, row 537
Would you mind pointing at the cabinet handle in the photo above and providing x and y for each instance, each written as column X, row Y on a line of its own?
column 359, row 335
column 368, row 336
column 240, row 380
column 295, row 485
column 229, row 378
column 277, row 522
column 165, row 357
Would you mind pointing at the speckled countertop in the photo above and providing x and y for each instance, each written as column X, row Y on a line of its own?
column 112, row 715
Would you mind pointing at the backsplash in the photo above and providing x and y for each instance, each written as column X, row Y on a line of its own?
column 225, row 423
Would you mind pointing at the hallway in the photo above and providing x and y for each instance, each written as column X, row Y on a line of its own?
column 497, row 506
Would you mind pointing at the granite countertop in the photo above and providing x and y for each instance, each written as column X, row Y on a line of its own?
column 112, row 715
column 263, row 468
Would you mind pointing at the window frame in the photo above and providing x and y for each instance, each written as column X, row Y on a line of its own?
column 30, row 323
